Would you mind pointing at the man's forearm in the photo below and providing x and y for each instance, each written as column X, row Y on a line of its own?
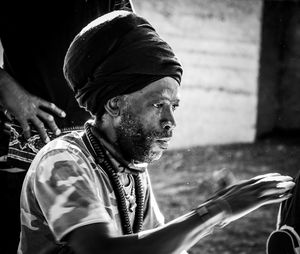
column 185, row 231
column 174, row 237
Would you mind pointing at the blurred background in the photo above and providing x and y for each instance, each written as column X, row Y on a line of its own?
column 240, row 103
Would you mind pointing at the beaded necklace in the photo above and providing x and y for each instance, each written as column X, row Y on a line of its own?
column 102, row 159
column 129, row 192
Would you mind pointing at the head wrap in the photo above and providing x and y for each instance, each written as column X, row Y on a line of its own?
column 118, row 53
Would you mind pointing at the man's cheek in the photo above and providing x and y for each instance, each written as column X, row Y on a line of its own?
column 151, row 121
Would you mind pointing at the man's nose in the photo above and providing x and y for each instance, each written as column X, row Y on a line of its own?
column 168, row 121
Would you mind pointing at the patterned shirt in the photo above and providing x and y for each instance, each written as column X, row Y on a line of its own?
column 65, row 189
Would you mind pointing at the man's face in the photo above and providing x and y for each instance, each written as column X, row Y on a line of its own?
column 147, row 121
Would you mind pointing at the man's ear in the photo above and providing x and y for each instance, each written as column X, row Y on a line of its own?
column 112, row 106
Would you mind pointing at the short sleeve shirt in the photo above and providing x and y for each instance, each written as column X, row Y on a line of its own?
column 65, row 189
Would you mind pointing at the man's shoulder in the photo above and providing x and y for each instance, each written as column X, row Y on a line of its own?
column 64, row 154
column 68, row 144
column 65, row 141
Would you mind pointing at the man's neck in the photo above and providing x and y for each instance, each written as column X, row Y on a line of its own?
column 132, row 166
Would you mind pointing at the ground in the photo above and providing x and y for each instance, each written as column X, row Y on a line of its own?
column 182, row 179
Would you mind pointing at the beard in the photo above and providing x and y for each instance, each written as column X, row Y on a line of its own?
column 135, row 141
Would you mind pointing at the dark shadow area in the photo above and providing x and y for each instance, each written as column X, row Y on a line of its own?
column 288, row 137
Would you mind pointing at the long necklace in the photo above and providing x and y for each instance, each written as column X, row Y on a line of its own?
column 129, row 192
column 104, row 162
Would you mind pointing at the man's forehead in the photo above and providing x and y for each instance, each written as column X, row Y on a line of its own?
column 166, row 93
column 163, row 88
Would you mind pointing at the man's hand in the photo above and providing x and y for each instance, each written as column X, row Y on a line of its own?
column 27, row 108
column 249, row 195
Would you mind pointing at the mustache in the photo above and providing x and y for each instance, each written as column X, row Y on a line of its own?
column 160, row 134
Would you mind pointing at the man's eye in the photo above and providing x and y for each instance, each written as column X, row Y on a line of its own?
column 157, row 105
column 174, row 107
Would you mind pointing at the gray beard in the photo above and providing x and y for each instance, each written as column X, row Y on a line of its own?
column 134, row 142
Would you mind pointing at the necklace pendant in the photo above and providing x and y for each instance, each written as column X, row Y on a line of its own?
column 132, row 207
column 132, row 204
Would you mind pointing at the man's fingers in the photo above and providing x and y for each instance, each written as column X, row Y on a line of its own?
column 271, row 192
column 278, row 178
column 286, row 185
column 262, row 179
column 259, row 177
column 251, row 185
column 26, row 129
column 49, row 119
column 41, row 129
column 273, row 188
column 276, row 198
column 52, row 107
column 280, row 182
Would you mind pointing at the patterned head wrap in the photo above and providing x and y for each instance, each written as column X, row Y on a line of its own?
column 118, row 53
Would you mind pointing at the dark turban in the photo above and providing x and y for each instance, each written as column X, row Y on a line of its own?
column 118, row 53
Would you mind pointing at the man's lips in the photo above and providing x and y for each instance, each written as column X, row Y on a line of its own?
column 163, row 142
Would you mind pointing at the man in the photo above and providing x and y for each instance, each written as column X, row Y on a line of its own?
column 36, row 102
column 89, row 192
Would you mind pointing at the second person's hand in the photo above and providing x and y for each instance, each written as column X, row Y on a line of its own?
column 28, row 109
